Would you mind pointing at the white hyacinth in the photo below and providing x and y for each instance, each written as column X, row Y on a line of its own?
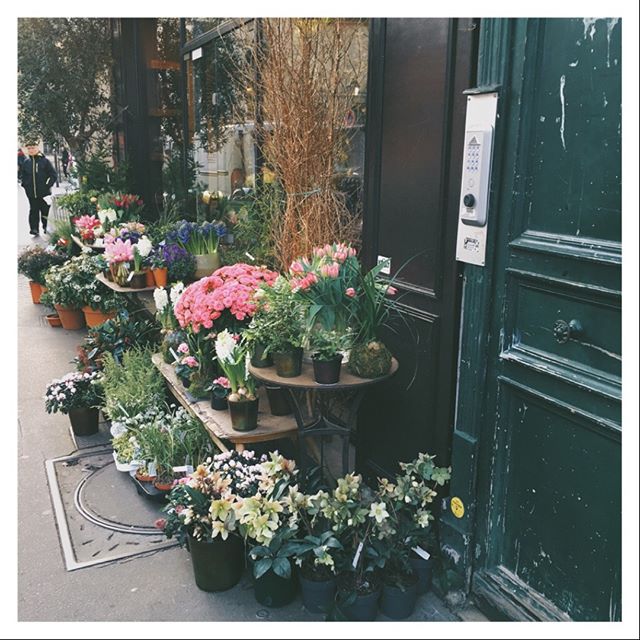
column 225, row 346
column 161, row 299
column 144, row 246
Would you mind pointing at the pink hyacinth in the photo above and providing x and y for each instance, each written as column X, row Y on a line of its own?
column 119, row 251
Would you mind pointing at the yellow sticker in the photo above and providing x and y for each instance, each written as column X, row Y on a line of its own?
column 457, row 507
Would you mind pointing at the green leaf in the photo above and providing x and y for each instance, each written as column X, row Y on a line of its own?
column 282, row 567
column 261, row 567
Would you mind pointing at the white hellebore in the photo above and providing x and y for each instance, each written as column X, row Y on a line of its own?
column 107, row 214
column 378, row 511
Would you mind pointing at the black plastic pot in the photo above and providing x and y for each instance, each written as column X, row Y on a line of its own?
column 273, row 591
column 424, row 570
column 364, row 608
column 327, row 371
column 218, row 403
column 318, row 595
column 288, row 363
column 278, row 401
column 84, row 422
column 398, row 604
column 217, row 565
column 138, row 280
column 257, row 358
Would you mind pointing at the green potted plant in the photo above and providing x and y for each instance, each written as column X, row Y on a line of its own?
column 102, row 306
column 79, row 395
column 406, row 531
column 124, row 448
column 232, row 356
column 369, row 356
column 220, row 390
column 326, row 354
column 33, row 263
column 282, row 328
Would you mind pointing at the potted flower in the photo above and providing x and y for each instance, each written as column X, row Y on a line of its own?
column 34, row 262
column 203, row 512
column 233, row 358
column 220, row 390
column 318, row 552
column 88, row 228
column 102, row 306
column 326, row 282
column 201, row 241
column 326, row 353
column 79, row 395
column 141, row 249
column 124, row 448
column 119, row 254
column 267, row 520
column 406, row 531
column 158, row 265
column 181, row 265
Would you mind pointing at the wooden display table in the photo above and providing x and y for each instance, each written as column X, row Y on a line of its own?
column 324, row 422
column 82, row 245
column 218, row 423
column 117, row 287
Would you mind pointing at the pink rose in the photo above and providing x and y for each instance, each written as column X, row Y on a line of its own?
column 350, row 292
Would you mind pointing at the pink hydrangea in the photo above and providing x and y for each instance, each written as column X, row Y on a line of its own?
column 230, row 291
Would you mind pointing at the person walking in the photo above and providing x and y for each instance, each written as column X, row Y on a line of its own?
column 64, row 157
column 37, row 176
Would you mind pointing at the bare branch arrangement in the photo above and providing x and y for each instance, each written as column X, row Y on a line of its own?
column 305, row 70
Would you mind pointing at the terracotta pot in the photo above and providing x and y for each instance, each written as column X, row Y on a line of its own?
column 160, row 276
column 206, row 264
column 162, row 486
column 94, row 317
column 36, row 291
column 144, row 477
column 54, row 320
column 71, row 319
column 150, row 280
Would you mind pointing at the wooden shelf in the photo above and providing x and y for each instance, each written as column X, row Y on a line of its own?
column 82, row 245
column 218, row 423
column 118, row 288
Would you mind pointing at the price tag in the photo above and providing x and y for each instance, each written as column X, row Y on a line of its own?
column 129, row 277
column 357, row 556
column 152, row 469
column 174, row 354
column 457, row 507
column 421, row 552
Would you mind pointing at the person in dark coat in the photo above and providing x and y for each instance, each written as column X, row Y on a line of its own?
column 64, row 157
column 37, row 176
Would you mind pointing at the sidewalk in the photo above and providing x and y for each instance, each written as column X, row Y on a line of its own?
column 158, row 586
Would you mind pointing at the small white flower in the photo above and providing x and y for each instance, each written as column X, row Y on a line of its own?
column 161, row 299
column 378, row 511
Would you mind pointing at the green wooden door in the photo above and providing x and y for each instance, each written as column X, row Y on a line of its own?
column 546, row 524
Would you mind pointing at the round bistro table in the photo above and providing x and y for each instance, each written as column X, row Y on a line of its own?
column 324, row 421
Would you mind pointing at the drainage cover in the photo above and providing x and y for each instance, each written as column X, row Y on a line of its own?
column 100, row 516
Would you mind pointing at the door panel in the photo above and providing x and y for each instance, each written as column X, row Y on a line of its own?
column 549, row 491
column 415, row 120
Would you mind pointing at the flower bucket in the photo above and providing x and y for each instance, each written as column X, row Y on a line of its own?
column 71, row 319
column 423, row 569
column 206, row 264
column 160, row 276
column 244, row 414
column 94, row 318
column 217, row 565
column 36, row 291
column 364, row 607
column 84, row 422
column 288, row 363
column 278, row 401
column 218, row 403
